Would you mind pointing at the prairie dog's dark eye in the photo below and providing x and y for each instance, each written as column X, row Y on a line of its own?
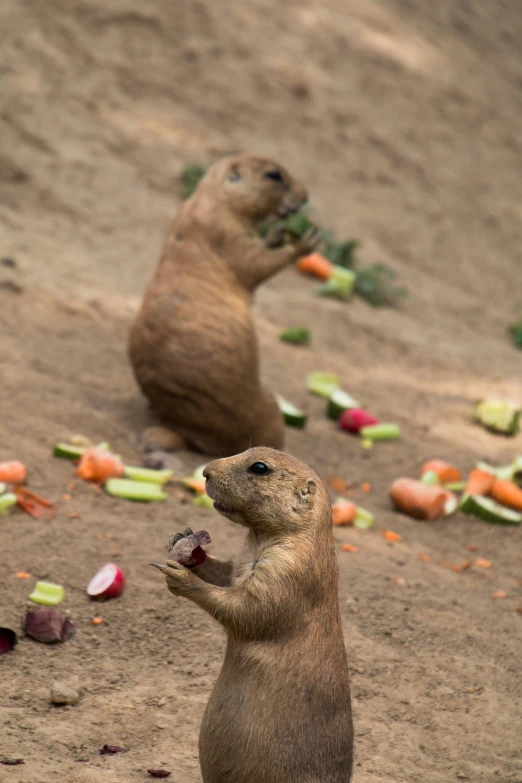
column 259, row 469
column 275, row 175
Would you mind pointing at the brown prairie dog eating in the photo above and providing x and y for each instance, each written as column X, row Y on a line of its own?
column 193, row 346
column 280, row 711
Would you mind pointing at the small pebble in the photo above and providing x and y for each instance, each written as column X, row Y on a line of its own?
column 62, row 694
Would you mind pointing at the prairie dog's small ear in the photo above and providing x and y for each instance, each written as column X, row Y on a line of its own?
column 233, row 174
column 309, row 489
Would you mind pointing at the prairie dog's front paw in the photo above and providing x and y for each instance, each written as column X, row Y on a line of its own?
column 178, row 578
column 307, row 243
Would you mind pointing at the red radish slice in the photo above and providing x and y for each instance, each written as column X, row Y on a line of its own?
column 354, row 419
column 107, row 583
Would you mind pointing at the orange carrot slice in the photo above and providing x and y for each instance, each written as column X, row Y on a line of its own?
column 315, row 264
column 35, row 505
column 479, row 482
column 482, row 562
column 22, row 575
column 417, row 499
column 99, row 465
column 390, row 535
column 349, row 548
column 344, row 513
column 13, row 472
column 424, row 558
column 366, row 487
column 447, row 473
column 507, row 493
column 499, row 594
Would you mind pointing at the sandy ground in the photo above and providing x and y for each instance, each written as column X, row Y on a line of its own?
column 404, row 119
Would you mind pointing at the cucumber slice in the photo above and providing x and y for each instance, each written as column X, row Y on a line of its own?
column 380, row 432
column 134, row 490
column 47, row 594
column 298, row 335
column 498, row 416
column 489, row 510
column 340, row 283
column 340, row 401
column 322, row 383
column 292, row 415
column 68, row 451
column 455, row 486
column 146, row 474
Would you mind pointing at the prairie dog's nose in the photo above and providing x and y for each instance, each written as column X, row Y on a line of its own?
column 206, row 473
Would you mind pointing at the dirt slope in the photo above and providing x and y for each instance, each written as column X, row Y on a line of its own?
column 404, row 120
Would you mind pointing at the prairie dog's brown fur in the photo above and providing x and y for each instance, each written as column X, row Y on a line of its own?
column 193, row 346
column 280, row 711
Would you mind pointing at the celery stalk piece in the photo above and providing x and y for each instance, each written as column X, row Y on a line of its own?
column 134, row 490
column 364, row 519
column 147, row 474
column 6, row 501
column 322, row 383
column 382, row 431
column 430, row 478
column 47, row 593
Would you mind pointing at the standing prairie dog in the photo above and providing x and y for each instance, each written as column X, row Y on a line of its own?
column 280, row 711
column 193, row 345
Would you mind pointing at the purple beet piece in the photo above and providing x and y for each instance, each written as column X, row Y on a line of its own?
column 48, row 625
column 185, row 551
column 158, row 773
column 109, row 749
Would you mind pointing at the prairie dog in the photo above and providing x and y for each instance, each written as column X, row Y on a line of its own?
column 280, row 711
column 193, row 346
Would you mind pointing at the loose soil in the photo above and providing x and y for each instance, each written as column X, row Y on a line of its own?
column 404, row 119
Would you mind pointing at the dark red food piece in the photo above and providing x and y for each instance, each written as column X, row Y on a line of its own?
column 158, row 773
column 48, row 626
column 7, row 640
column 12, row 762
column 108, row 749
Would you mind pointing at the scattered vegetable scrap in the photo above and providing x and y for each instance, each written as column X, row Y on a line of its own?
column 97, row 621
column 353, row 420
column 316, row 265
column 340, row 283
column 292, row 415
column 48, row 626
column 383, row 431
column 12, row 762
column 489, row 510
column 499, row 594
column 148, row 475
column 481, row 562
column 35, row 505
column 366, row 487
column 344, row 512
column 399, row 580
column 349, row 548
column 135, row 490
column 390, row 535
column 322, row 383
column 507, row 493
column 99, row 465
column 13, row 472
column 498, row 416
column 204, row 501
column 108, row 582
column 8, row 640
column 424, row 558
column 6, row 501
column 159, row 773
column 418, row 500
column 340, row 401
column 297, row 335
column 22, row 575
column 337, row 484
column 110, row 749
column 479, row 482
column 47, row 593
column 445, row 472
